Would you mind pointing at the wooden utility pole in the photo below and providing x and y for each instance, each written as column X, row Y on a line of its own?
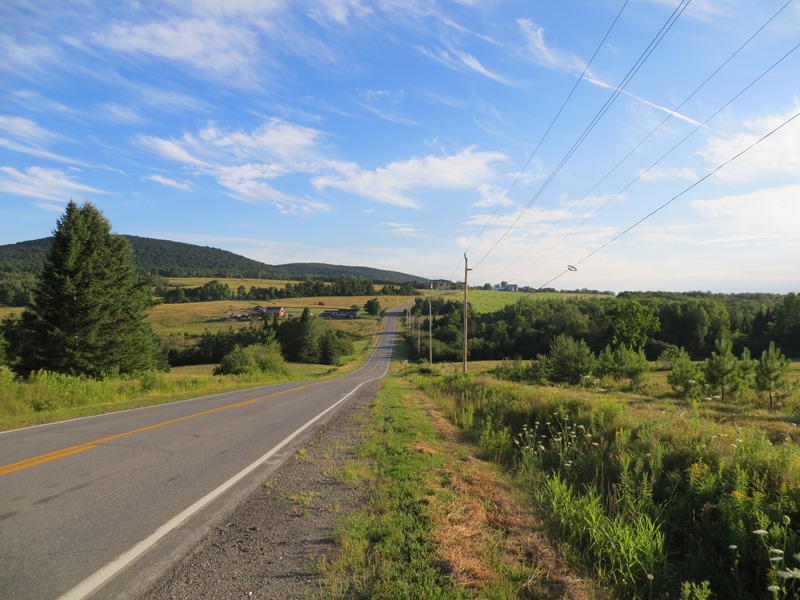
column 466, row 287
column 430, row 333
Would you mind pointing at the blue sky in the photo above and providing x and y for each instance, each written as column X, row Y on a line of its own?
column 402, row 134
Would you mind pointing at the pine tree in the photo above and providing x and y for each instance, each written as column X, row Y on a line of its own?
column 722, row 368
column 88, row 313
column 771, row 371
column 684, row 375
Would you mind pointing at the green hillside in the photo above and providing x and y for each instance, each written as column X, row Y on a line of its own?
column 21, row 262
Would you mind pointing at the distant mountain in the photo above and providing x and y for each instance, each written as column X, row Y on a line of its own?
column 329, row 272
column 177, row 259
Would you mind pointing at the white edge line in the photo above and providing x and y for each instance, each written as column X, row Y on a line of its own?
column 93, row 582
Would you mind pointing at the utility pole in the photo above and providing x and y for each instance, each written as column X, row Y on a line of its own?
column 466, row 286
column 430, row 333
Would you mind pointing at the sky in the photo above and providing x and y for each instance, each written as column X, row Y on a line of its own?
column 600, row 144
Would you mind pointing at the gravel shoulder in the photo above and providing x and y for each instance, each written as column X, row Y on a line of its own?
column 269, row 546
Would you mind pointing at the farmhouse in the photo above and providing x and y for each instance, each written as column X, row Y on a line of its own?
column 271, row 310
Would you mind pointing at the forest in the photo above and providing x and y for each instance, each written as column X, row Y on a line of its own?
column 656, row 322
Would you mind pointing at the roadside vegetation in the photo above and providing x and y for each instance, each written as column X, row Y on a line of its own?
column 438, row 522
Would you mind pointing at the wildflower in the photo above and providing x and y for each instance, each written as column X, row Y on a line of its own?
column 737, row 494
column 733, row 547
column 786, row 520
column 790, row 574
column 773, row 588
column 777, row 551
column 776, row 559
column 760, row 532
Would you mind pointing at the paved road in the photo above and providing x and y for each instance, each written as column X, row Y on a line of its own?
column 102, row 505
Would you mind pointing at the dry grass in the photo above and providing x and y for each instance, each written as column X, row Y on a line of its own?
column 482, row 530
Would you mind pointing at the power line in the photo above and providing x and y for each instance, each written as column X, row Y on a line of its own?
column 670, row 151
column 635, row 148
column 676, row 196
column 547, row 131
column 603, row 110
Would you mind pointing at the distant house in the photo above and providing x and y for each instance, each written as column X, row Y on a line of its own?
column 511, row 287
column 339, row 313
column 272, row 310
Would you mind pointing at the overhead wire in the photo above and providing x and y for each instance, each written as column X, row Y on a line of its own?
column 668, row 152
column 676, row 196
column 635, row 148
column 603, row 110
column 547, row 131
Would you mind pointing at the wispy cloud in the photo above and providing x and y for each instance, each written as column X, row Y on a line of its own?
column 546, row 56
column 166, row 181
column 462, row 61
column 214, row 49
column 46, row 184
column 401, row 229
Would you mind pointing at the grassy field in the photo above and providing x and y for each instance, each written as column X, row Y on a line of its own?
column 193, row 318
column 486, row 301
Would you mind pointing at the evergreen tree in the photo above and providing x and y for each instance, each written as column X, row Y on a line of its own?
column 770, row 371
column 684, row 375
column 88, row 312
column 722, row 368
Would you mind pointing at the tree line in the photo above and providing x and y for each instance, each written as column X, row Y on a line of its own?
column 655, row 322
column 345, row 285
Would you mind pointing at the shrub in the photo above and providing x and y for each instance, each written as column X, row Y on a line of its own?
column 250, row 360
column 568, row 361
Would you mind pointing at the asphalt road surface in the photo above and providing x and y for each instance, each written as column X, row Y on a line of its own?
column 101, row 506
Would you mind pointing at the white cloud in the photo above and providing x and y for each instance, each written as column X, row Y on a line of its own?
column 46, row 184
column 25, row 129
column 393, row 183
column 769, row 214
column 120, row 114
column 546, row 56
column 27, row 59
column 169, row 149
column 457, row 60
column 214, row 49
column 778, row 155
column 178, row 185
column 401, row 229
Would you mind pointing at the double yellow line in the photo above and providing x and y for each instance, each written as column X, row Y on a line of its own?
column 69, row 450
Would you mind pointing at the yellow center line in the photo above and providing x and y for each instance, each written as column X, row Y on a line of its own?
column 69, row 450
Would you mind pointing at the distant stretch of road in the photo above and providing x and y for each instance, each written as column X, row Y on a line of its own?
column 100, row 505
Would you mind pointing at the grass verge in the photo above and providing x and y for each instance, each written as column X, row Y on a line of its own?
column 438, row 521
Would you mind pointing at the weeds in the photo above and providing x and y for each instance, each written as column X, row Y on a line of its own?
column 662, row 506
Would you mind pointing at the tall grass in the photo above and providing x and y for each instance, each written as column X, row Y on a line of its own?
column 46, row 397
column 652, row 500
